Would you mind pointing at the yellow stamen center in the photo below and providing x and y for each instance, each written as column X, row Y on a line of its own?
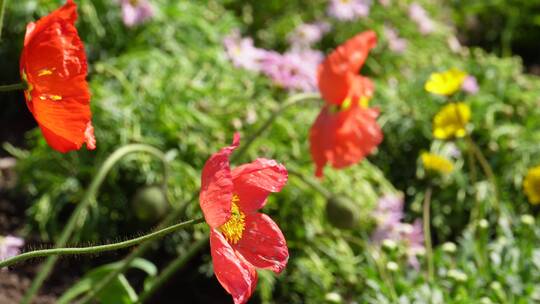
column 233, row 229
column 45, row 72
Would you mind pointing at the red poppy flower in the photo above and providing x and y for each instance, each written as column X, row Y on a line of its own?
column 53, row 65
column 345, row 130
column 241, row 239
column 338, row 73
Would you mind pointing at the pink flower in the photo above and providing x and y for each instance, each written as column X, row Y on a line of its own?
column 419, row 15
column 307, row 34
column 413, row 238
column 10, row 246
column 135, row 12
column 385, row 2
column 349, row 9
column 388, row 215
column 243, row 53
column 395, row 43
column 294, row 70
column 470, row 85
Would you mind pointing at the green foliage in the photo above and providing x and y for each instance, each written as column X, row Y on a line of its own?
column 168, row 83
column 118, row 291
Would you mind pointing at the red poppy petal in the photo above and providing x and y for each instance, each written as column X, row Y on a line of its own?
column 238, row 277
column 253, row 182
column 334, row 75
column 343, row 138
column 217, row 186
column 263, row 244
column 67, row 13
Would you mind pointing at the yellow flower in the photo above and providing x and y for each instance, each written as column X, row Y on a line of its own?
column 445, row 83
column 531, row 185
column 451, row 121
column 434, row 162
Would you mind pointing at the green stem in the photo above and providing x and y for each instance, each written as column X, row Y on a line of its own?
column 311, row 183
column 78, row 216
column 291, row 101
column 11, row 87
column 172, row 268
column 97, row 249
column 427, row 233
column 3, row 4
column 486, row 168
column 179, row 211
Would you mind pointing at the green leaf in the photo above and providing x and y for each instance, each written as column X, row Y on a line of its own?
column 118, row 291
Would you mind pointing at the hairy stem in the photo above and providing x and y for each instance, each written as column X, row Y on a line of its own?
column 97, row 249
column 11, row 87
column 78, row 216
column 427, row 233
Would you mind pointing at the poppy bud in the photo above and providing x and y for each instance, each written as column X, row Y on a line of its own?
column 150, row 204
column 342, row 212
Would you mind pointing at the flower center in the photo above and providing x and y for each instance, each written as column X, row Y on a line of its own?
column 233, row 229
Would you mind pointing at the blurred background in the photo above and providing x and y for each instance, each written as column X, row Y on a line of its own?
column 171, row 82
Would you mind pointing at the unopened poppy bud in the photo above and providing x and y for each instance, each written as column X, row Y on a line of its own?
column 150, row 204
column 342, row 212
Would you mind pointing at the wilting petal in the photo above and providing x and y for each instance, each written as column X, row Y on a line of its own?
column 53, row 63
column 253, row 182
column 217, row 186
column 263, row 244
column 343, row 138
column 237, row 276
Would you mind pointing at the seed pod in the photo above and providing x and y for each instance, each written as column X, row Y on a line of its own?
column 342, row 212
column 150, row 204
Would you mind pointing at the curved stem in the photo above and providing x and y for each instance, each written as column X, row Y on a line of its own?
column 291, row 101
column 3, row 4
column 12, row 87
column 172, row 268
column 179, row 211
column 427, row 233
column 311, row 183
column 97, row 249
column 78, row 216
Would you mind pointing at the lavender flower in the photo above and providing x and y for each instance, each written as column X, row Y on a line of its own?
column 135, row 12
column 293, row 70
column 420, row 16
column 395, row 43
column 470, row 85
column 307, row 34
column 348, row 10
column 10, row 246
column 243, row 53
column 388, row 214
column 413, row 236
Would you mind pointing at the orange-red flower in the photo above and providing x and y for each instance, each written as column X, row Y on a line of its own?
column 241, row 239
column 53, row 66
column 346, row 130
